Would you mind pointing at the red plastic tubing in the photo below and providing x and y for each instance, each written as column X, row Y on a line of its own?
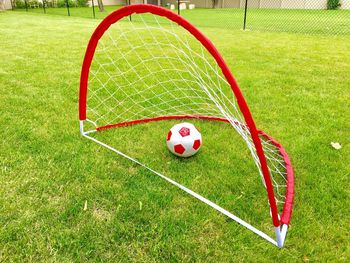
column 159, row 11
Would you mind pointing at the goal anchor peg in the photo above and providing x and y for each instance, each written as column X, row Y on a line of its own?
column 281, row 232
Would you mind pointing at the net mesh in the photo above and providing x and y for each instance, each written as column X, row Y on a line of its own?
column 152, row 67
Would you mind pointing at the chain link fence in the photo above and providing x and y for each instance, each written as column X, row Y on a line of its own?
column 79, row 8
column 297, row 16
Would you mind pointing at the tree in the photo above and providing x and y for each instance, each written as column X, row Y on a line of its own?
column 100, row 5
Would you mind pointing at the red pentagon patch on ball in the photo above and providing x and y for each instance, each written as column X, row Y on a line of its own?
column 169, row 136
column 179, row 149
column 184, row 131
column 196, row 144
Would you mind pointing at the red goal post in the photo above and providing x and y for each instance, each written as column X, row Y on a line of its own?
column 278, row 220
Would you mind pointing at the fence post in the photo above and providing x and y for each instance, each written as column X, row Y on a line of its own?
column 129, row 3
column 245, row 14
column 178, row 7
column 93, row 8
column 67, row 4
column 44, row 1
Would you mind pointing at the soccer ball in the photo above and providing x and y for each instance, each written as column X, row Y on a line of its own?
column 184, row 139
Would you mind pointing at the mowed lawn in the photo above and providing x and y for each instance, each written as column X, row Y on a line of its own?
column 64, row 198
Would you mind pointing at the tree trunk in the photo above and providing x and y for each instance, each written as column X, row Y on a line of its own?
column 100, row 5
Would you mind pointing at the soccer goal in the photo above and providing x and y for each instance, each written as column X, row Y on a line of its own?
column 160, row 67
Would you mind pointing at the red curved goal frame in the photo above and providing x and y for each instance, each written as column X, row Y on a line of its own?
column 250, row 124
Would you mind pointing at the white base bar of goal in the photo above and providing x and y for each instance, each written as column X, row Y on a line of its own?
column 280, row 232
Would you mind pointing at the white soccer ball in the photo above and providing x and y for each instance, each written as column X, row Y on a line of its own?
column 184, row 139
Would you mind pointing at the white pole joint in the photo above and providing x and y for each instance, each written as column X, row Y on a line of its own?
column 281, row 233
column 81, row 124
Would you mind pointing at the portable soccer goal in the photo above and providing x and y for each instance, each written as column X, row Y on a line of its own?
column 160, row 67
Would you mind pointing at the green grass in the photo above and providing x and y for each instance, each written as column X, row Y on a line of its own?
column 297, row 87
column 286, row 20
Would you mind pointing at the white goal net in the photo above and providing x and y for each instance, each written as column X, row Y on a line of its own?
column 152, row 67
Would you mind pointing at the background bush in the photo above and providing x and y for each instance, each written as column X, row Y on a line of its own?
column 72, row 3
column 333, row 4
column 82, row 3
column 62, row 3
column 20, row 4
column 33, row 3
